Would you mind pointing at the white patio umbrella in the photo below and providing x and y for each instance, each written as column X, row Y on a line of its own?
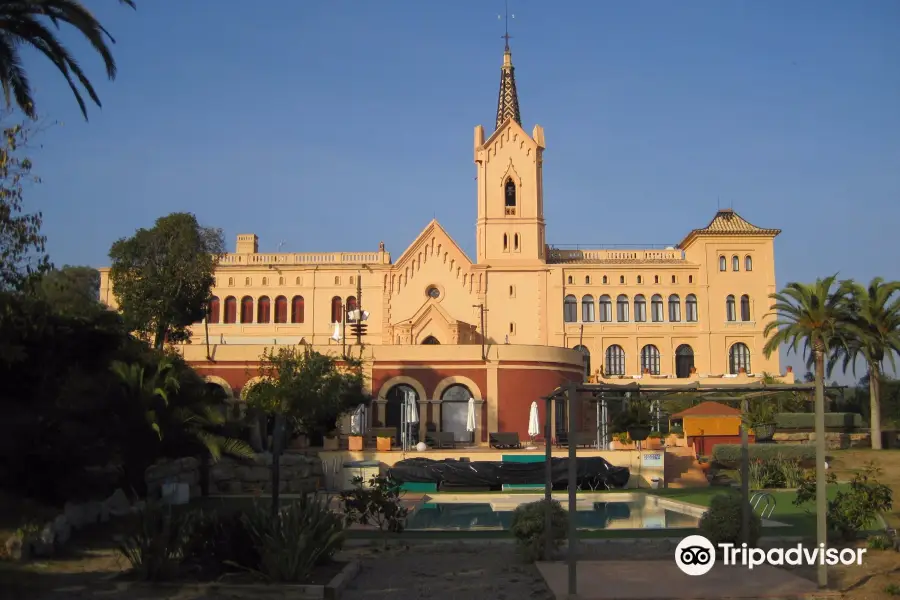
column 470, row 418
column 412, row 411
column 534, row 424
column 357, row 420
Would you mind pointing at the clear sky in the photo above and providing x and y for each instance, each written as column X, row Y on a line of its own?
column 332, row 125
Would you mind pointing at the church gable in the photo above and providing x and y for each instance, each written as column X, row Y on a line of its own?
column 433, row 325
column 511, row 137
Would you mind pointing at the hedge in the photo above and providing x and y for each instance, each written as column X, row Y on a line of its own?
column 731, row 453
column 807, row 421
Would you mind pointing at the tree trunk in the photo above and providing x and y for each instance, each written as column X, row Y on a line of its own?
column 875, row 406
column 821, row 483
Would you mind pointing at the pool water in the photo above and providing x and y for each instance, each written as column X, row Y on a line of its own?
column 466, row 512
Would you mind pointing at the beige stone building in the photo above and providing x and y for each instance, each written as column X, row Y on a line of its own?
column 514, row 322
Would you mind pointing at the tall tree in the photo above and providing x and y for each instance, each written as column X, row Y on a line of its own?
column 71, row 291
column 22, row 251
column 874, row 336
column 162, row 276
column 815, row 317
column 29, row 23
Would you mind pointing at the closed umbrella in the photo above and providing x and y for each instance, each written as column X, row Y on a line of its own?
column 356, row 421
column 412, row 412
column 534, row 424
column 470, row 418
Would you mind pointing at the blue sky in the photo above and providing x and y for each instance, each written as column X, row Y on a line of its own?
column 655, row 113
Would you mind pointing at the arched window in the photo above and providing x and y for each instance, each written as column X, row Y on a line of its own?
column 570, row 279
column 587, row 309
column 505, row 242
column 656, row 309
column 298, row 281
column 351, row 306
column 212, row 312
column 393, row 410
column 246, row 281
column 297, row 309
column 656, row 279
column 570, row 309
column 605, row 280
column 431, row 341
column 730, row 309
column 748, row 263
column 674, row 279
column 622, row 308
column 586, row 357
column 640, row 279
column 722, row 264
column 745, row 308
column 337, row 309
column 605, row 308
column 735, row 263
column 587, row 280
column 640, row 309
column 337, row 280
column 281, row 311
column 246, row 309
column 230, row 310
column 650, row 359
column 738, row 358
column 231, row 281
column 515, row 241
column 265, row 281
column 455, row 412
column 690, row 308
column 263, row 309
column 674, row 308
column 684, row 361
column 615, row 360
column 281, row 281
column 509, row 192
column 621, row 279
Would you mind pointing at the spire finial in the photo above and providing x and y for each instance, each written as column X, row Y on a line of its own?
column 508, row 105
column 506, row 35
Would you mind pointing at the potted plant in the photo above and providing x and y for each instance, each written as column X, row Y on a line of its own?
column 675, row 437
column 355, row 443
column 639, row 432
column 331, row 441
column 760, row 420
column 654, row 441
column 620, row 441
column 383, row 443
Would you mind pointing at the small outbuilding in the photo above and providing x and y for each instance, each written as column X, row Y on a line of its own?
column 710, row 423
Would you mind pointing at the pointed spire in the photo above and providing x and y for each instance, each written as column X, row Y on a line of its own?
column 508, row 104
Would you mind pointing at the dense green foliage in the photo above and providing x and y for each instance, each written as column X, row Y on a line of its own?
column 776, row 472
column 376, row 502
column 528, row 527
column 721, row 524
column 843, row 421
column 730, row 454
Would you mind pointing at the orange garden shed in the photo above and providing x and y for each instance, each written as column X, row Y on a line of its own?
column 710, row 423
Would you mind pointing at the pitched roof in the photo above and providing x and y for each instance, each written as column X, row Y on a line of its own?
column 728, row 222
column 708, row 409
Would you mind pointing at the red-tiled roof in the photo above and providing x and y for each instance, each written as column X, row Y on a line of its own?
column 708, row 409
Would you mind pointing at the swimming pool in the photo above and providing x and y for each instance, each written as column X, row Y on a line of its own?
column 470, row 512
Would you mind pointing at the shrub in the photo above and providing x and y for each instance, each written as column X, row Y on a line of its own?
column 154, row 546
column 731, row 453
column 844, row 421
column 879, row 541
column 721, row 524
column 293, row 541
column 378, row 504
column 851, row 511
column 655, row 435
column 218, row 543
column 777, row 472
column 622, row 437
column 528, row 527
column 792, row 472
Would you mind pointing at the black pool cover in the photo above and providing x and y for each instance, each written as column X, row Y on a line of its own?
column 593, row 473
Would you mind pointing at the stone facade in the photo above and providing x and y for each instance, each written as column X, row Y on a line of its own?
column 833, row 440
column 299, row 473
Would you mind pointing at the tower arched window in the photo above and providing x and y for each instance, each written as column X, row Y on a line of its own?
column 587, row 309
column 723, row 263
column 351, row 306
column 605, row 303
column 281, row 311
column 505, row 242
column 738, row 358
column 212, row 312
column 605, row 280
column 615, row 360
column 656, row 309
column 509, row 193
column 246, row 309
column 674, row 308
column 263, row 309
column 515, row 241
column 640, row 309
column 297, row 309
column 650, row 359
column 748, row 263
column 337, row 309
column 730, row 312
column 745, row 308
column 622, row 308
column 735, row 263
column 230, row 309
column 690, row 308
column 570, row 309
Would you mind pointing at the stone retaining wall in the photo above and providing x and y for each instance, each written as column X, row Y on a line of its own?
column 299, row 473
column 833, row 440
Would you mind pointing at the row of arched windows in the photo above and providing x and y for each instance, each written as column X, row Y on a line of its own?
column 640, row 279
column 262, row 310
column 738, row 359
column 736, row 263
column 604, row 306
column 248, row 281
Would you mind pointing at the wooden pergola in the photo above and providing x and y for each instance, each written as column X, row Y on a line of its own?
column 599, row 392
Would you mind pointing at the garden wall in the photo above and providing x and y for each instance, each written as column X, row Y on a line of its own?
column 833, row 440
column 299, row 473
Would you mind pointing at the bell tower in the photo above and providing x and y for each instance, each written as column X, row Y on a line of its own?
column 510, row 228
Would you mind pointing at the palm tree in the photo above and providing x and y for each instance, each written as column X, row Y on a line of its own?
column 28, row 23
column 875, row 336
column 147, row 391
column 816, row 316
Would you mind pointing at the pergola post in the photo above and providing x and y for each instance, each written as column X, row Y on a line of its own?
column 548, row 479
column 745, row 477
column 571, row 401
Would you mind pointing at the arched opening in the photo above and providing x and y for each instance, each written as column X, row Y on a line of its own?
column 684, row 361
column 650, row 359
column 745, row 308
column 337, row 309
column 622, row 308
column 570, row 309
column 735, row 263
column 509, row 192
column 455, row 411
column 281, row 309
column 216, row 392
column 690, row 308
column 263, row 310
column 656, row 309
column 212, row 313
column 351, row 306
column 738, row 358
column 230, row 310
column 640, row 309
column 748, row 263
column 505, row 242
column 587, row 309
column 674, row 308
column 605, row 304
column 430, row 341
column 297, row 309
column 615, row 360
column 722, row 263
column 246, row 309
column 586, row 358
column 515, row 241
column 394, row 408
column 730, row 309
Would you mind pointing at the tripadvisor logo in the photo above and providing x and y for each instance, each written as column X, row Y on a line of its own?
column 696, row 555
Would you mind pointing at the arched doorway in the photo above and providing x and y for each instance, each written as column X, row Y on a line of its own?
column 393, row 410
column 430, row 341
column 455, row 411
column 684, row 361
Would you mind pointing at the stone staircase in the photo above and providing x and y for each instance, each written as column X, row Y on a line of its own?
column 682, row 469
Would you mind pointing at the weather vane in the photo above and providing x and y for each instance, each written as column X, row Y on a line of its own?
column 506, row 17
